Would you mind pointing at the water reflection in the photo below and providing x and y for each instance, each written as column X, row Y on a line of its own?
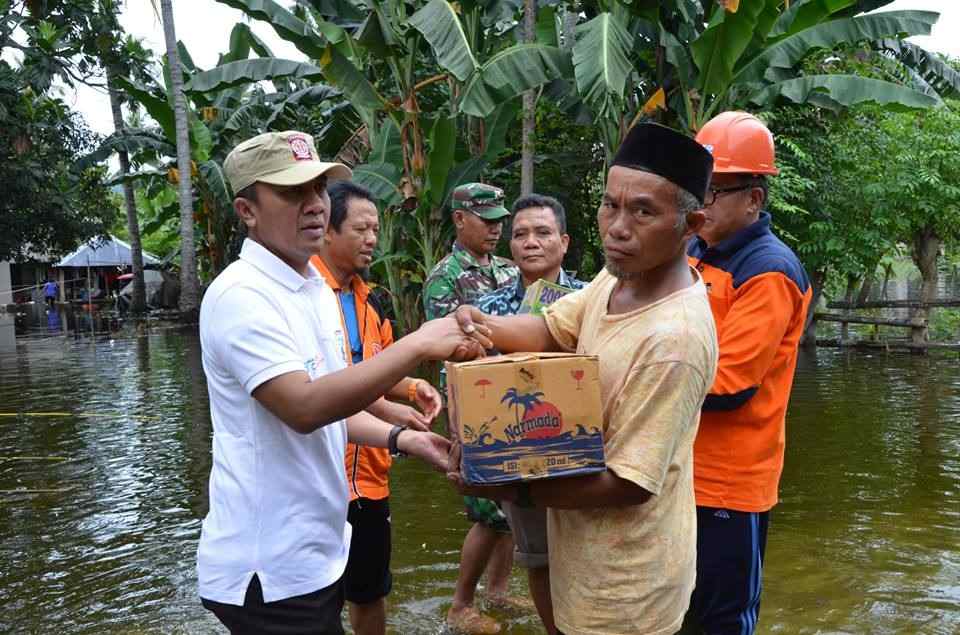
column 8, row 339
column 99, row 521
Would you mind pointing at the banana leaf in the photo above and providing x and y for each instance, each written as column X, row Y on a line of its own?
column 805, row 14
column 718, row 49
column 288, row 26
column 601, row 63
column 511, row 72
column 845, row 90
column 381, row 179
column 157, row 107
column 443, row 142
column 789, row 51
column 133, row 141
column 246, row 71
column 937, row 73
column 340, row 72
column 440, row 26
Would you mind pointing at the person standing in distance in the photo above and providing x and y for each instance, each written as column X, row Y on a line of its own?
column 471, row 269
column 468, row 272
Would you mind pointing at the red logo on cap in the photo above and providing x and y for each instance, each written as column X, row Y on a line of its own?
column 300, row 148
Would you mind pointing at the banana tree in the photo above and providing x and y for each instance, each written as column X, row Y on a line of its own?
column 434, row 86
column 695, row 59
column 222, row 111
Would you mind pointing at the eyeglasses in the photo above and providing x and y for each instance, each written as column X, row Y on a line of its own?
column 714, row 192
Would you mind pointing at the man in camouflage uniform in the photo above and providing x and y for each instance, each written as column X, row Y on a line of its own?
column 468, row 272
column 471, row 269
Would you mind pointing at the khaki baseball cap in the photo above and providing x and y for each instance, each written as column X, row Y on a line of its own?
column 279, row 158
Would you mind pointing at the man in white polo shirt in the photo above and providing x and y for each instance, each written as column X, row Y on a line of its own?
column 284, row 403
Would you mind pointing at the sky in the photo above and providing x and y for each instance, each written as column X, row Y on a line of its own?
column 204, row 27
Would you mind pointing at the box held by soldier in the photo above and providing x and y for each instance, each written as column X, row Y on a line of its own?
column 526, row 416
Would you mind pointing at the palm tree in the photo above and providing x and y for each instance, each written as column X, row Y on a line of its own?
column 516, row 399
column 138, row 303
column 189, row 284
column 512, row 397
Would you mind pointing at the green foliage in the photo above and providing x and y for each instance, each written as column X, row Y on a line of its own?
column 601, row 63
column 569, row 167
column 47, row 206
column 857, row 185
column 440, row 26
column 945, row 324
column 244, row 72
column 421, row 96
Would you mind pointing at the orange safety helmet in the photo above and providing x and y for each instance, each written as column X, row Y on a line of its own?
column 739, row 142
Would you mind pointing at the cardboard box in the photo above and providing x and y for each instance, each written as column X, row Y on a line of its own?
column 526, row 416
column 541, row 294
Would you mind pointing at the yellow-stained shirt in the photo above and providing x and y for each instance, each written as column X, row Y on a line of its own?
column 620, row 570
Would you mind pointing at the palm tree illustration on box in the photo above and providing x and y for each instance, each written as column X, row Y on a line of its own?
column 516, row 399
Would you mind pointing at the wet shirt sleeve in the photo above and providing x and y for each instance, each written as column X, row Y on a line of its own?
column 252, row 340
column 750, row 336
column 656, row 409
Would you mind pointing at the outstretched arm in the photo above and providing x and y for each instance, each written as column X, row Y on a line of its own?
column 508, row 334
column 307, row 405
column 365, row 429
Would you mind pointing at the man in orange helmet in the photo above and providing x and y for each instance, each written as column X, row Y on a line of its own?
column 759, row 294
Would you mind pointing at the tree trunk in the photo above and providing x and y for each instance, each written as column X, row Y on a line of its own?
column 868, row 281
column 189, row 284
column 569, row 23
column 138, row 303
column 887, row 272
column 809, row 338
column 848, row 298
column 926, row 249
column 529, row 106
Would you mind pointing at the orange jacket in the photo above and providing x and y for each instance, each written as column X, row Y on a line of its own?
column 759, row 295
column 367, row 468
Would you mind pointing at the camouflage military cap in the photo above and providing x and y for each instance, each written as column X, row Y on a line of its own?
column 486, row 201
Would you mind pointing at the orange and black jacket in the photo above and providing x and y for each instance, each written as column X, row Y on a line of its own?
column 759, row 294
column 367, row 468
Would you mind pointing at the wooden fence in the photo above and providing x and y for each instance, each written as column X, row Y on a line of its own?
column 918, row 325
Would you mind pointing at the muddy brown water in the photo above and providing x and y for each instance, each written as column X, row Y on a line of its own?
column 104, row 488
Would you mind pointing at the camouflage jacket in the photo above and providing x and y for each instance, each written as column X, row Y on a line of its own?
column 460, row 279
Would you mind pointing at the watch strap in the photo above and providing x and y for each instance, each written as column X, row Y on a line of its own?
column 392, row 446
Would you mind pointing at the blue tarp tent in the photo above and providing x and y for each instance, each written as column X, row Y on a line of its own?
column 104, row 253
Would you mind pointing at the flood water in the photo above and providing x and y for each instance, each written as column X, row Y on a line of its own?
column 105, row 454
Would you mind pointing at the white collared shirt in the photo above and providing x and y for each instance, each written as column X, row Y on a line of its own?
column 278, row 499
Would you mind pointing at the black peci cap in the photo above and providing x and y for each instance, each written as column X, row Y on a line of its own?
column 667, row 153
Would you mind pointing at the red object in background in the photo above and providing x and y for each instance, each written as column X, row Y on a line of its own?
column 126, row 276
column 577, row 376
